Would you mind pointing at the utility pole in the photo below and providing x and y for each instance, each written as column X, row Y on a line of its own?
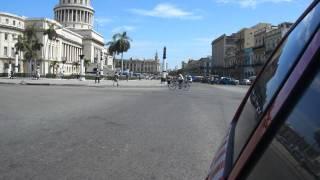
column 164, row 64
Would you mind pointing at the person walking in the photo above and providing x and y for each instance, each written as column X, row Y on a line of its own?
column 180, row 80
column 37, row 74
column 127, row 76
column 97, row 79
column 11, row 75
column 116, row 79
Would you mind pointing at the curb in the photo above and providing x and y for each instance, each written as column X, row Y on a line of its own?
column 22, row 83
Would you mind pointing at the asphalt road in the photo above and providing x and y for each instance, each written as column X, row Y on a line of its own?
column 109, row 133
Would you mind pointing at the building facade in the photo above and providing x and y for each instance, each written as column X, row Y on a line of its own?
column 244, row 53
column 11, row 26
column 73, row 22
column 259, row 49
column 224, row 54
column 274, row 37
column 201, row 67
column 149, row 66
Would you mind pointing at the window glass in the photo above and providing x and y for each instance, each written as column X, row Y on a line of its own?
column 295, row 151
column 272, row 77
column 5, row 51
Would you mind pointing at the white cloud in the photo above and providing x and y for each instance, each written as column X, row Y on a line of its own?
column 251, row 3
column 123, row 28
column 166, row 10
column 102, row 21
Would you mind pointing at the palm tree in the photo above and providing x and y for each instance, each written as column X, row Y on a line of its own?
column 54, row 65
column 52, row 36
column 29, row 44
column 19, row 45
column 112, row 49
column 122, row 45
column 76, row 64
column 86, row 64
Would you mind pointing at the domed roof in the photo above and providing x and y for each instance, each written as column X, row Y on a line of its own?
column 76, row 14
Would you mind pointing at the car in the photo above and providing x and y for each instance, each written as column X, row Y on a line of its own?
column 225, row 80
column 234, row 81
column 215, row 79
column 245, row 82
column 189, row 78
column 275, row 132
column 228, row 81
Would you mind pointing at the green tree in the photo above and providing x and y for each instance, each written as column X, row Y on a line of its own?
column 29, row 44
column 76, row 64
column 122, row 45
column 20, row 44
column 112, row 49
column 54, row 65
column 86, row 63
column 52, row 35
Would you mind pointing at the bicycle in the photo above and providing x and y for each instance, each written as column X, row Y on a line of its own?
column 174, row 84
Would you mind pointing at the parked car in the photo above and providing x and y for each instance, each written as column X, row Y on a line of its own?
column 225, row 80
column 245, row 82
column 189, row 78
column 215, row 79
column 228, row 81
column 234, row 81
column 252, row 78
column 197, row 78
column 275, row 133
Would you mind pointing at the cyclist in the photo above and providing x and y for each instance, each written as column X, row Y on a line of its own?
column 180, row 80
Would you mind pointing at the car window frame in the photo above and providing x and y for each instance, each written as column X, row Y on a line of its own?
column 296, row 95
column 265, row 122
column 270, row 60
column 229, row 166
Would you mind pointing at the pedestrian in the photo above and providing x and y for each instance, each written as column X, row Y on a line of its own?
column 168, row 80
column 11, row 75
column 139, row 77
column 37, row 74
column 116, row 79
column 127, row 76
column 97, row 77
column 180, row 80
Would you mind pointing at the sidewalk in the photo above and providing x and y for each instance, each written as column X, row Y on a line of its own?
column 76, row 82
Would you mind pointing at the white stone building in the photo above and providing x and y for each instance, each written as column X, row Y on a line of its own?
column 73, row 22
column 10, row 27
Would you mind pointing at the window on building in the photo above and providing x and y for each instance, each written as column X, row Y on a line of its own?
column 274, row 74
column 7, row 21
column 14, row 22
column 5, row 51
column 6, row 36
column 69, row 1
column 12, row 52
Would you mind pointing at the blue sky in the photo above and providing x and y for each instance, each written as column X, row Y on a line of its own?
column 186, row 27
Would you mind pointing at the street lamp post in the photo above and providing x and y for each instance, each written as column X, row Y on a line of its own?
column 9, row 69
column 101, row 63
column 82, row 74
column 17, row 62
